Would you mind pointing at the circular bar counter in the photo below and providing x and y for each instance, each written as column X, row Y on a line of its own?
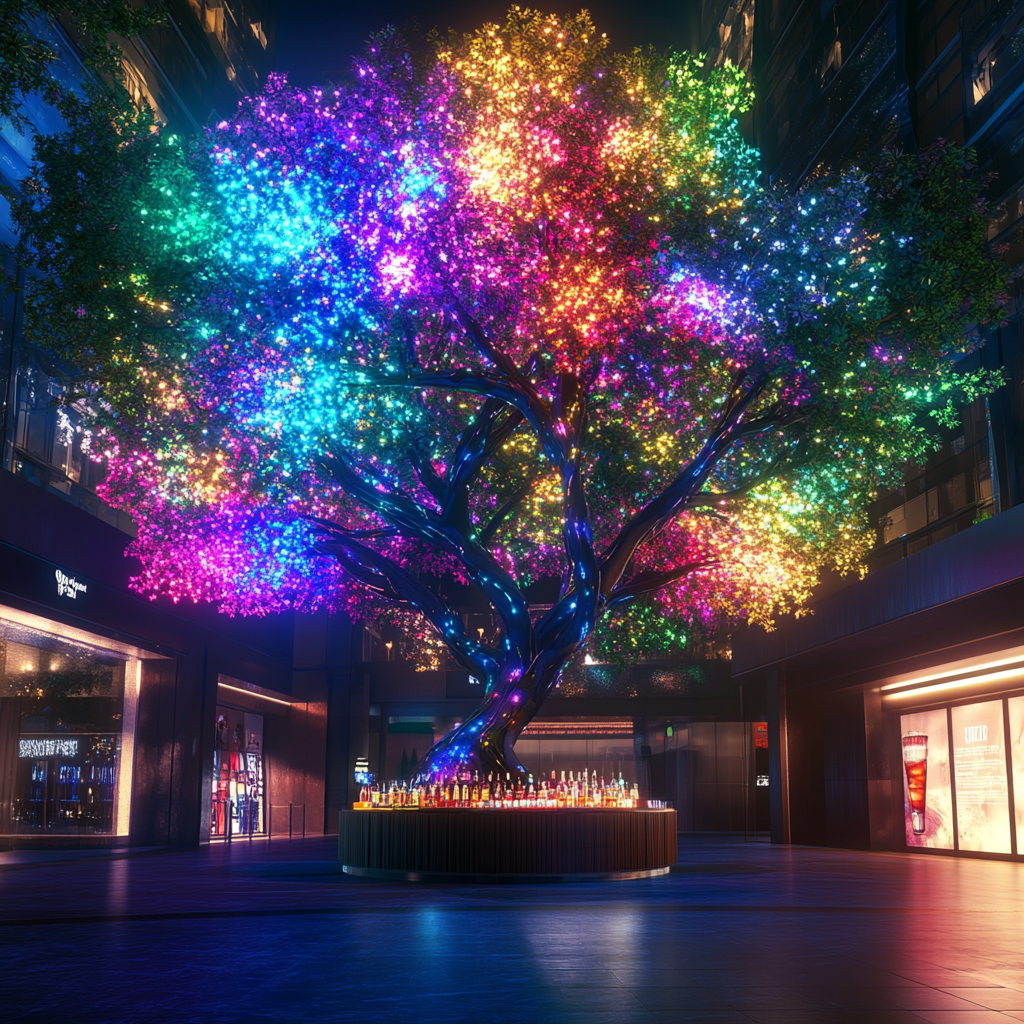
column 567, row 844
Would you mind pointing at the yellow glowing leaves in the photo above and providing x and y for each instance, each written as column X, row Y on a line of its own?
column 520, row 76
column 781, row 544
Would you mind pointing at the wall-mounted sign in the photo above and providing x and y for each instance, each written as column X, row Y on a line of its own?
column 47, row 748
column 927, row 795
column 762, row 780
column 761, row 735
column 69, row 586
column 979, row 765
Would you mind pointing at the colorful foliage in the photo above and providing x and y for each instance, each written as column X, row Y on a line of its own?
column 513, row 307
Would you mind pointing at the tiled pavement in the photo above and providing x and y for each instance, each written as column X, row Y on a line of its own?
column 741, row 933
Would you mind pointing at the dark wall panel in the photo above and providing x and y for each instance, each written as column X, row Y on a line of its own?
column 806, row 769
column 844, row 761
column 154, row 755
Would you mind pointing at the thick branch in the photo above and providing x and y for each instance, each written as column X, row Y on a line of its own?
column 660, row 510
column 479, row 441
column 486, row 535
column 415, row 521
column 567, row 624
column 649, row 582
column 397, row 584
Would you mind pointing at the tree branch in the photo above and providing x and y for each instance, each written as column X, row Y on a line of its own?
column 479, row 441
column 532, row 407
column 486, row 535
column 567, row 624
column 415, row 521
column 391, row 581
column 660, row 510
column 426, row 475
column 649, row 582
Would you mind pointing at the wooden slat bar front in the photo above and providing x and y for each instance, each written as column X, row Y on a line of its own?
column 570, row 841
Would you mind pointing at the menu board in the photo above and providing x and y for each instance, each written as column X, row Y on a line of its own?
column 979, row 766
column 1017, row 760
column 927, row 795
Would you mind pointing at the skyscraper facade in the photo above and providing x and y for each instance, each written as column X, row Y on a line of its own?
column 908, row 662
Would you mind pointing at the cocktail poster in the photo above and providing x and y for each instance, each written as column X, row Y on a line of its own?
column 927, row 796
column 979, row 765
column 1017, row 759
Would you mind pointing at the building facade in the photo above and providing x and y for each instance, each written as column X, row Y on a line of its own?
column 124, row 721
column 896, row 711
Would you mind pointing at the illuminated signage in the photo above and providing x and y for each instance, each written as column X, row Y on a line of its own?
column 979, row 773
column 762, row 780
column 47, row 748
column 927, row 792
column 68, row 586
column 761, row 735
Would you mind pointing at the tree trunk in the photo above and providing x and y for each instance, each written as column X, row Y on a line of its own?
column 484, row 743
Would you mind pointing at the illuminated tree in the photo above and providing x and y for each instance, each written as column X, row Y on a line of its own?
column 507, row 308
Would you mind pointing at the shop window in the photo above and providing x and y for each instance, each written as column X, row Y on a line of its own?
column 238, row 798
column 67, row 733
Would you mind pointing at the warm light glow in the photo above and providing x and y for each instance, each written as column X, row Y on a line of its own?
column 957, row 684
column 1018, row 659
column 258, row 696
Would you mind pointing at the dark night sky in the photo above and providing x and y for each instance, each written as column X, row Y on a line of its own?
column 316, row 38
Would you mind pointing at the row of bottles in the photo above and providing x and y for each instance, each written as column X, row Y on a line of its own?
column 581, row 791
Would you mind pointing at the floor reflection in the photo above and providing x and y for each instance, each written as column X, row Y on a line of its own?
column 741, row 933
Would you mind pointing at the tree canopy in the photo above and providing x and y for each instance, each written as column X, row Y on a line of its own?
column 507, row 307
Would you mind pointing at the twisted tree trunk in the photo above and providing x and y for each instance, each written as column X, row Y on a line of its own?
column 485, row 741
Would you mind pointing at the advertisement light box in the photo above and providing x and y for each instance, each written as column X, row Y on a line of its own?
column 957, row 778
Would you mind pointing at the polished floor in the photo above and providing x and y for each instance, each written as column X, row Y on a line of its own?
column 740, row 933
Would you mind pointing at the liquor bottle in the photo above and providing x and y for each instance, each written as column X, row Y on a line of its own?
column 509, row 790
column 575, row 797
column 474, row 797
column 485, row 791
column 531, row 794
column 465, row 795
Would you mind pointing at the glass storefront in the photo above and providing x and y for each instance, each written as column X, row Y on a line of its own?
column 238, row 799
column 963, row 773
column 67, row 732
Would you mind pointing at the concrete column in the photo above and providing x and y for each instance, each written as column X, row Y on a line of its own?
column 778, row 757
